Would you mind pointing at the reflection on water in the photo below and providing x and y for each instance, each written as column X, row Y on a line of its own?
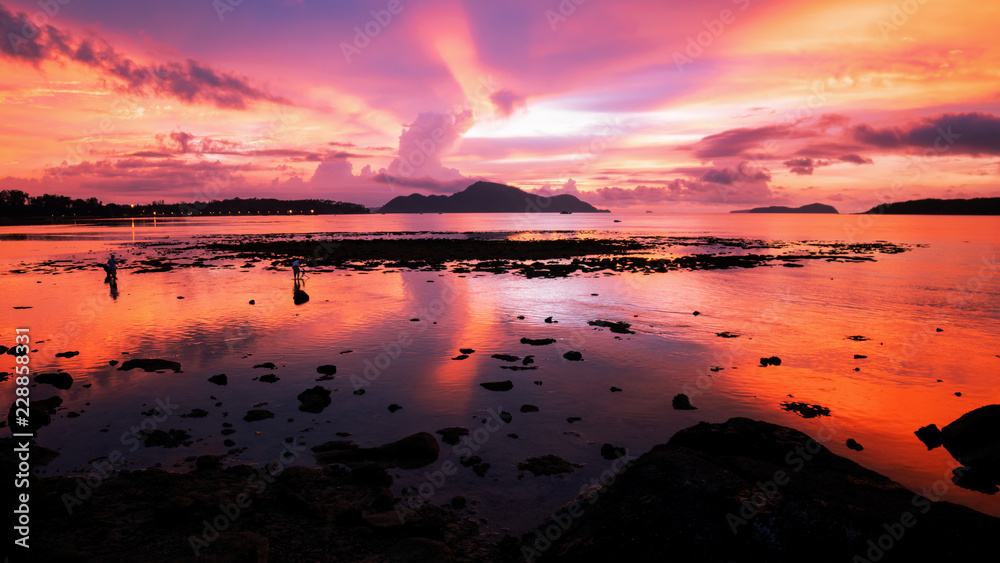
column 395, row 334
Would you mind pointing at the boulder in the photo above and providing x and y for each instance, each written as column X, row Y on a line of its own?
column 314, row 400
column 150, row 364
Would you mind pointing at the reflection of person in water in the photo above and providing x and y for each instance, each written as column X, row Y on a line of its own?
column 299, row 296
column 114, row 289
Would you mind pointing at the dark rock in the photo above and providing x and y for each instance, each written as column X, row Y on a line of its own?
column 573, row 356
column 974, row 440
column 168, row 439
column 939, row 329
column 481, row 469
column 860, row 357
column 469, row 461
column 208, row 462
column 269, row 378
column 930, row 435
column 150, row 364
column 958, row 393
column 461, row 357
column 549, row 320
column 412, row 452
column 394, row 407
column 519, row 368
column 854, row 445
column 71, row 354
column 359, row 392
column 113, row 363
column 327, row 370
column 858, row 338
column 314, row 399
column 228, row 443
column 546, row 465
column 220, row 379
column 512, row 435
column 252, row 302
column 700, row 498
column 696, row 313
column 195, row 413
column 452, row 434
column 505, row 357
column 498, row 385
column 528, row 360
column 257, row 414
column 529, row 408
column 806, row 410
column 573, row 419
column 773, row 361
column 538, row 341
column 506, row 417
column 616, row 327
column 458, row 502
column 681, row 402
column 371, row 474
column 59, row 380
column 266, row 365
column 610, row 452
column 615, row 389
column 727, row 334
column 467, row 351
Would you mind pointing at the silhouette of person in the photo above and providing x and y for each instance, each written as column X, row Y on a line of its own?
column 297, row 269
column 112, row 267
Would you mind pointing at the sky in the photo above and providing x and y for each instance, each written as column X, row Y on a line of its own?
column 633, row 104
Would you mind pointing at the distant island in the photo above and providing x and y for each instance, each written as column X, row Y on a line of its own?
column 17, row 206
column 975, row 206
column 489, row 197
column 811, row 208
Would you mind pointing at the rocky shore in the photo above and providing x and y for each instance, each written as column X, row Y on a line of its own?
column 742, row 490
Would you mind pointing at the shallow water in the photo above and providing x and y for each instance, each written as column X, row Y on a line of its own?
column 803, row 315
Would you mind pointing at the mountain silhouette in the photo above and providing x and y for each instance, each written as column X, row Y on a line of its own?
column 489, row 197
column 811, row 208
column 974, row 206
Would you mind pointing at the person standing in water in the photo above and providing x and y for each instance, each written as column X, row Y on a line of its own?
column 296, row 269
column 112, row 268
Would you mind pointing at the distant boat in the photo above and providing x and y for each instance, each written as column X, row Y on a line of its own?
column 565, row 212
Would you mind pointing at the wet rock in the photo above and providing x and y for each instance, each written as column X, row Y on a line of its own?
column 453, row 434
column 505, row 357
column 806, row 410
column 939, row 329
column 498, row 385
column 528, row 360
column 112, row 363
column 727, row 334
column 696, row 313
column 327, row 370
column 710, row 494
column 461, row 357
column 469, row 461
column 394, row 407
column 538, row 341
column 269, row 378
column 930, row 435
column 150, row 364
column 772, row 361
column 681, row 402
column 314, row 400
column 220, row 379
column 519, row 368
column 506, row 417
column 254, row 415
column 610, row 452
column 195, row 413
column 546, row 465
column 67, row 354
column 467, row 351
column 252, row 302
column 573, row 419
column 266, row 365
column 858, row 338
column 854, row 445
column 974, row 440
column 860, row 357
column 59, row 380
column 167, row 439
column 573, row 356
column 615, row 327
column 359, row 392
column 529, row 408
column 616, row 389
column 549, row 320
column 481, row 469
column 412, row 452
column 458, row 502
column 228, row 443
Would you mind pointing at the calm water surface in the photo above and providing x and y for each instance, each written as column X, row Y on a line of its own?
column 803, row 315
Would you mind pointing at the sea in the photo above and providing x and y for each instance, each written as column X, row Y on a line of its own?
column 880, row 348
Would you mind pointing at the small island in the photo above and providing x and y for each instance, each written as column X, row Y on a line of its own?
column 811, row 208
column 489, row 197
column 931, row 206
